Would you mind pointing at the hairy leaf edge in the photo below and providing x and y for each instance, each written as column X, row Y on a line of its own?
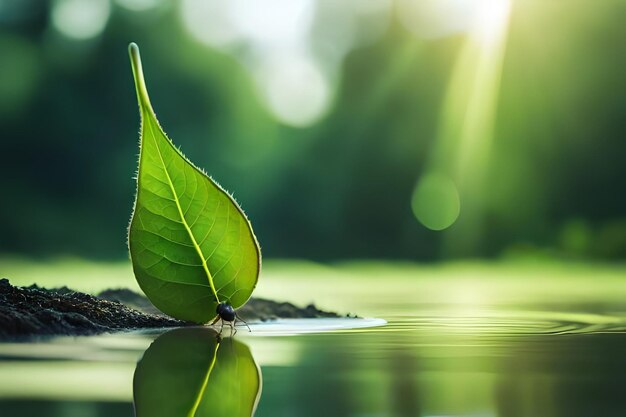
column 143, row 100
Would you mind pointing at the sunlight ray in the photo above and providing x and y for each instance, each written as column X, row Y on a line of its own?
column 461, row 152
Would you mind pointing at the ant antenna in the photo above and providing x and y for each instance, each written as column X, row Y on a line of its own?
column 244, row 322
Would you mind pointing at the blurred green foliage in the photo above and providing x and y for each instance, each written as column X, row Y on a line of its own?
column 328, row 173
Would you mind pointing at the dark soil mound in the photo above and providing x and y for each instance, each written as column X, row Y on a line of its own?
column 255, row 309
column 33, row 311
column 262, row 309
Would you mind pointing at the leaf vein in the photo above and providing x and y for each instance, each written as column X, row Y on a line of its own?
column 192, row 237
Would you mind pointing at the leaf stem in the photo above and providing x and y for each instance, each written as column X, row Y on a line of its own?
column 140, row 82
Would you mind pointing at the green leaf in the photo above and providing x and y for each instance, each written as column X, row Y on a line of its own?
column 190, row 244
column 189, row 373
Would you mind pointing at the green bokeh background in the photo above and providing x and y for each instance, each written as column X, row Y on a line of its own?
column 337, row 186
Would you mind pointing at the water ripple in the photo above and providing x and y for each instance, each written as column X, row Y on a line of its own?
column 510, row 323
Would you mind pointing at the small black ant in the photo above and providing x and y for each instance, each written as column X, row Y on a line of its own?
column 227, row 313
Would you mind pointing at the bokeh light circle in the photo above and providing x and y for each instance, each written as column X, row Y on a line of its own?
column 436, row 202
column 296, row 91
column 80, row 19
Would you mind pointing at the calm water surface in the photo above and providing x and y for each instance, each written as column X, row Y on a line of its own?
column 453, row 346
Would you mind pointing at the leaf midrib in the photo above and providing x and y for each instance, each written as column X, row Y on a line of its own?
column 182, row 216
column 198, row 400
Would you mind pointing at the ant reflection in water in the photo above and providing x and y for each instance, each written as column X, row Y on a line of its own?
column 194, row 372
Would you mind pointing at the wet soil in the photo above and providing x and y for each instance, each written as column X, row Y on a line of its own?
column 27, row 312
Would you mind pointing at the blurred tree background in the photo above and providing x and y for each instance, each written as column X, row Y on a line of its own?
column 406, row 129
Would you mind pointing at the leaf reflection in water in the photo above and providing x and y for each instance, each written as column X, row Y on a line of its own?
column 191, row 373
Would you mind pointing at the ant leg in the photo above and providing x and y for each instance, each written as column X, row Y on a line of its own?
column 233, row 331
column 244, row 322
column 222, row 327
column 215, row 321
